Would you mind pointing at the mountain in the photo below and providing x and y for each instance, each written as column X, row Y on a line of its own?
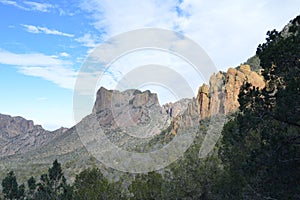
column 18, row 135
column 124, row 117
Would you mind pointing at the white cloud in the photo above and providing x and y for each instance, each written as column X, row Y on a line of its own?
column 115, row 17
column 13, row 3
column 40, row 65
column 88, row 40
column 42, row 7
column 39, row 29
column 228, row 30
column 61, row 76
column 30, row 5
column 64, row 54
column 31, row 28
column 231, row 30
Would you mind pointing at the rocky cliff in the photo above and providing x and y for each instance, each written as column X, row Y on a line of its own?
column 109, row 99
column 221, row 96
column 124, row 109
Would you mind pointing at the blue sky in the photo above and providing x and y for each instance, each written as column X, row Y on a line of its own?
column 44, row 43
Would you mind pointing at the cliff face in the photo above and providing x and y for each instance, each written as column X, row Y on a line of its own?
column 221, row 96
column 128, row 109
column 110, row 99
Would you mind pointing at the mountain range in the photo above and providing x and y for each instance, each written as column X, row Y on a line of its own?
column 28, row 149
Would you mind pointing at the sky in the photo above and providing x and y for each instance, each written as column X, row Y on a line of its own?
column 44, row 43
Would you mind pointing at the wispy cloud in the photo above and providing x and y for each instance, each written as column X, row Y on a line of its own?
column 45, row 30
column 88, row 40
column 42, row 7
column 47, row 67
column 29, row 5
column 13, row 3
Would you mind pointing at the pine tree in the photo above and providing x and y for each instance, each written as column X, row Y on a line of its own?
column 53, row 185
column 10, row 186
column 31, row 182
column 91, row 184
column 260, row 147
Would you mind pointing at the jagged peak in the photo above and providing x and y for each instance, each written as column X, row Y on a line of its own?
column 221, row 95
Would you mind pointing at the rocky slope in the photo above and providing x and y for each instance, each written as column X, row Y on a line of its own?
column 18, row 135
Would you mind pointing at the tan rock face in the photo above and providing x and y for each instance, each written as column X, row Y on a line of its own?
column 216, row 93
column 145, row 99
column 110, row 99
column 124, row 109
column 221, row 96
column 203, row 101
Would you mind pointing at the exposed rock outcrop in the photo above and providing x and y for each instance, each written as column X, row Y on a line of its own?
column 110, row 99
column 203, row 100
column 130, row 111
column 221, row 96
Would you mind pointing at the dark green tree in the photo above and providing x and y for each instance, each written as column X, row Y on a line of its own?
column 53, row 185
column 91, row 184
column 254, row 63
column 44, row 190
column 10, row 187
column 31, row 182
column 21, row 191
column 55, row 175
column 148, row 186
column 260, row 147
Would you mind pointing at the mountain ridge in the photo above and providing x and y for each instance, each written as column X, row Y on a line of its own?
column 124, row 116
column 19, row 135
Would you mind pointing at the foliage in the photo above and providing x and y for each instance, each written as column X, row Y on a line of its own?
column 31, row 182
column 91, row 184
column 53, row 185
column 148, row 186
column 260, row 147
column 254, row 63
column 11, row 190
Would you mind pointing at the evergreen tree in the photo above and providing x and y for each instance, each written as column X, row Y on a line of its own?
column 53, row 185
column 31, row 182
column 260, row 147
column 91, row 184
column 10, row 187
column 21, row 192
column 148, row 186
